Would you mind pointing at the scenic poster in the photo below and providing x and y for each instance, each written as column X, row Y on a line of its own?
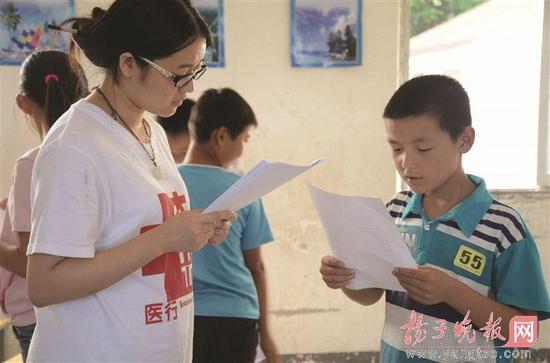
column 212, row 12
column 23, row 27
column 325, row 33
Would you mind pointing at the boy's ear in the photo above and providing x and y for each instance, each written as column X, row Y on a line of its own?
column 220, row 135
column 24, row 104
column 466, row 139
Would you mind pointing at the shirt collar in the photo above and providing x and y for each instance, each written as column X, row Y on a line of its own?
column 413, row 206
column 466, row 214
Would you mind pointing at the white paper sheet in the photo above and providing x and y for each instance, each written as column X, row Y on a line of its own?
column 259, row 181
column 362, row 234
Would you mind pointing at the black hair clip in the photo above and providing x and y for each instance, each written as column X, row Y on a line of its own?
column 62, row 29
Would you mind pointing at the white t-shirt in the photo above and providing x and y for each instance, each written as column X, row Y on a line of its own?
column 93, row 189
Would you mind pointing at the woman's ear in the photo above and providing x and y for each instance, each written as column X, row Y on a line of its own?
column 466, row 139
column 24, row 104
column 128, row 65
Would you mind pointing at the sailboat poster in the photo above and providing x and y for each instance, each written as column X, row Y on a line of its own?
column 23, row 27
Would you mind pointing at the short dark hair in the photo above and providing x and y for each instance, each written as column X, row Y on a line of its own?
column 440, row 96
column 148, row 28
column 50, row 80
column 220, row 108
column 177, row 124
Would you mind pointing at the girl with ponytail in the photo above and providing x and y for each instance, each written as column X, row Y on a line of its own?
column 109, row 266
column 48, row 86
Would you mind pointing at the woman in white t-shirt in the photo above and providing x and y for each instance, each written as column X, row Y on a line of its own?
column 48, row 86
column 109, row 254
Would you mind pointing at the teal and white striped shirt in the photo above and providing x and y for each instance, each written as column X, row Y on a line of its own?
column 484, row 244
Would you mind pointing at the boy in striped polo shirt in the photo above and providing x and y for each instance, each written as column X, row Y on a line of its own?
column 478, row 263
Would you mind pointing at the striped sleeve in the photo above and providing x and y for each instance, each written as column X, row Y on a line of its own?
column 397, row 205
column 518, row 279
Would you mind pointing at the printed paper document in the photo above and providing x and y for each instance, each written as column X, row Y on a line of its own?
column 362, row 234
column 262, row 179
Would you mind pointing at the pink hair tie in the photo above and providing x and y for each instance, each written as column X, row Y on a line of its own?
column 51, row 76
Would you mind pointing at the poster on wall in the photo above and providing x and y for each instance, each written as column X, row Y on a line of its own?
column 325, row 33
column 212, row 12
column 23, row 27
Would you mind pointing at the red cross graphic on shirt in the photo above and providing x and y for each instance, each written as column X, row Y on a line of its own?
column 176, row 266
column 178, row 201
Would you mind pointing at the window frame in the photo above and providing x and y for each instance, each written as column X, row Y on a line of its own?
column 543, row 139
column 543, row 148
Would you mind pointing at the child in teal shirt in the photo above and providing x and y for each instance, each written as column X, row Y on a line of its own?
column 228, row 279
column 477, row 260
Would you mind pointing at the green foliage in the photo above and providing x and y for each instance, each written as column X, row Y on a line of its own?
column 426, row 14
column 9, row 16
column 342, row 46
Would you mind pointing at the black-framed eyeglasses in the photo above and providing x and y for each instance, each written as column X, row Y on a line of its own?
column 178, row 81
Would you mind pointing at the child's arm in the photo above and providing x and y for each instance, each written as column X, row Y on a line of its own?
column 14, row 258
column 254, row 262
column 336, row 275
column 430, row 286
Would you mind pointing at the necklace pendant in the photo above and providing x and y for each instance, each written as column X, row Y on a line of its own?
column 157, row 172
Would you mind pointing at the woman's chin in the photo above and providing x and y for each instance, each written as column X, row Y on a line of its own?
column 167, row 111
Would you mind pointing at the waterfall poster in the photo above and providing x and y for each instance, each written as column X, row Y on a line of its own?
column 325, row 33
column 23, row 27
column 212, row 12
